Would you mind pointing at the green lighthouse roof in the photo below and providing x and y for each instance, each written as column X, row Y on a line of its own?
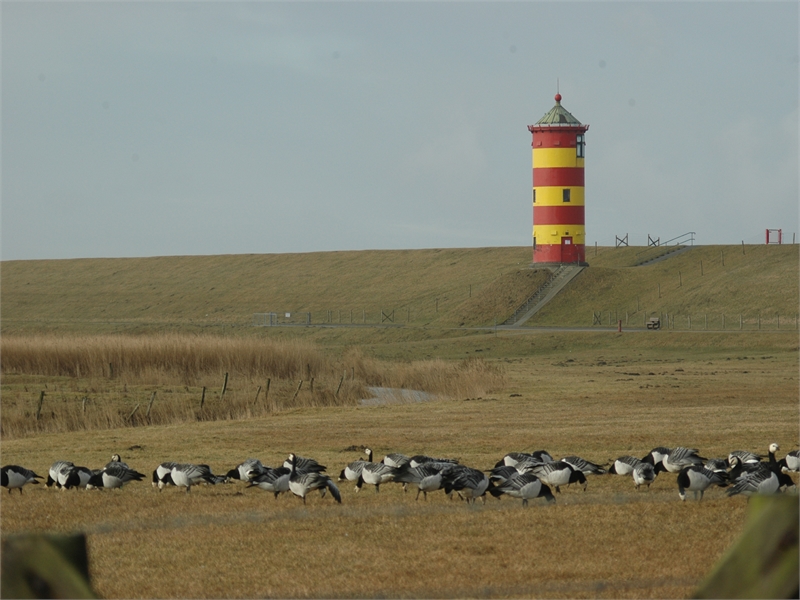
column 558, row 115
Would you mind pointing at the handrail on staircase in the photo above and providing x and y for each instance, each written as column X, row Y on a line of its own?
column 680, row 240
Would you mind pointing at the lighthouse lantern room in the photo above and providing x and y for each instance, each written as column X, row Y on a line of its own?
column 559, row 232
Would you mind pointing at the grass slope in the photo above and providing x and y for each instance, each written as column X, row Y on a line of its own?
column 423, row 288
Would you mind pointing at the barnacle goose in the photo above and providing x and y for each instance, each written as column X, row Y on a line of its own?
column 559, row 473
column 55, row 469
column 535, row 457
column 656, row 455
column 272, row 480
column 525, row 486
column 427, row 476
column 14, row 476
column 419, row 459
column 377, row 473
column 502, row 473
column 304, row 465
column 743, row 456
column 790, row 462
column 352, row 472
column 761, row 480
column 644, row 474
column 468, row 482
column 247, row 470
column 187, row 474
column 681, row 457
column 162, row 475
column 113, row 477
column 75, row 477
column 395, row 459
column 583, row 465
column 717, row 464
column 624, row 465
column 301, row 483
column 116, row 461
column 697, row 479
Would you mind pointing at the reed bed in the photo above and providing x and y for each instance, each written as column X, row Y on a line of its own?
column 54, row 384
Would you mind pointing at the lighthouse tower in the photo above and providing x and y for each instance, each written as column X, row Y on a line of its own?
column 559, row 232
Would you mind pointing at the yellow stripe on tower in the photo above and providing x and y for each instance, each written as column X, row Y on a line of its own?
column 554, row 196
column 552, row 234
column 545, row 158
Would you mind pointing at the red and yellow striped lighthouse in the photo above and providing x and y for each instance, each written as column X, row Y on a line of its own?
column 559, row 231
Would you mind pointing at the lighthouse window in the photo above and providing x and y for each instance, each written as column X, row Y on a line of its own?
column 534, row 196
column 580, row 146
column 565, row 194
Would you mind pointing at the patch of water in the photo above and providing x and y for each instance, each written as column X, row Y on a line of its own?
column 384, row 395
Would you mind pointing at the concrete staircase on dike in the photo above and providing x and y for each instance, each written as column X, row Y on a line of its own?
column 557, row 281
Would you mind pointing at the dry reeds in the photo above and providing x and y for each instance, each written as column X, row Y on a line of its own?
column 103, row 382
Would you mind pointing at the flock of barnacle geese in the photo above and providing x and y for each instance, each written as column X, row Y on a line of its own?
column 519, row 475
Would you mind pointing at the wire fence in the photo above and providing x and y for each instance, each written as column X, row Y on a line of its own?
column 697, row 321
column 382, row 316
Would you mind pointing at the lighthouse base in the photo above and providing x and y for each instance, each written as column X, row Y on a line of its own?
column 559, row 253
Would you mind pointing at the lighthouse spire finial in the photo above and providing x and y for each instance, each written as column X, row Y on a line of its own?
column 558, row 94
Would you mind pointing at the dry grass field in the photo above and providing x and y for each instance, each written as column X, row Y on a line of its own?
column 591, row 394
column 117, row 331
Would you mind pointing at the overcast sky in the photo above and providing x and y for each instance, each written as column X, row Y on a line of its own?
column 182, row 128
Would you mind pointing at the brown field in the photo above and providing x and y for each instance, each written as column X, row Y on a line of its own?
column 597, row 395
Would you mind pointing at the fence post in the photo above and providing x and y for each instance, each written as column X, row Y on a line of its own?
column 297, row 391
column 202, row 398
column 338, row 387
column 258, row 391
column 740, row 320
column 133, row 412
column 150, row 405
column 39, row 406
column 689, row 318
column 224, row 387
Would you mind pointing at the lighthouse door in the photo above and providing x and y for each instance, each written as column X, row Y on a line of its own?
column 569, row 252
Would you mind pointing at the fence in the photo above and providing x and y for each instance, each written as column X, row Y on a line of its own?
column 383, row 316
column 698, row 321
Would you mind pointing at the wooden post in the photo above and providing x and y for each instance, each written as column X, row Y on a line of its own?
column 740, row 321
column 150, row 406
column 39, row 406
column 224, row 387
column 722, row 256
column 742, row 247
column 470, row 288
column 83, row 405
column 110, row 371
column 258, row 391
column 133, row 412
column 311, row 385
column 202, row 398
column 680, row 279
column 297, row 391
column 338, row 387
column 701, row 267
column 689, row 319
column 266, row 391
